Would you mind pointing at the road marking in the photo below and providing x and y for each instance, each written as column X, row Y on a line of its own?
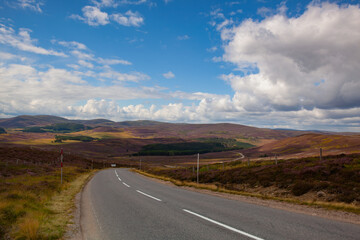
column 126, row 184
column 149, row 196
column 117, row 175
column 223, row 225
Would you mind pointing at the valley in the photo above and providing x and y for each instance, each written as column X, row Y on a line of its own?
column 280, row 165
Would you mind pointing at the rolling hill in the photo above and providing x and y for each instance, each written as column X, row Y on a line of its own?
column 153, row 129
column 29, row 121
column 309, row 145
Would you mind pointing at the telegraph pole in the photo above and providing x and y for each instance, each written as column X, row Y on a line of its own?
column 61, row 159
column 197, row 174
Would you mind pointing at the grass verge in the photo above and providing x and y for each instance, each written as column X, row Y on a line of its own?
column 28, row 215
column 61, row 206
column 213, row 187
column 33, row 202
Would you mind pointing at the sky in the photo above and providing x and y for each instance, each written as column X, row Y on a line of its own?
column 273, row 64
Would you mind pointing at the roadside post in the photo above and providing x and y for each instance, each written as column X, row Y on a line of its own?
column 140, row 164
column 320, row 154
column 61, row 160
column 197, row 174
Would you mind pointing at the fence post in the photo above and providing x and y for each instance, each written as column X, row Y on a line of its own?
column 197, row 174
column 320, row 154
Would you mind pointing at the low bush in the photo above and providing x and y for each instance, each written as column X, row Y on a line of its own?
column 301, row 187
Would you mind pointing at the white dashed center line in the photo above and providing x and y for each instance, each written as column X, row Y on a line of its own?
column 224, row 225
column 126, row 184
column 149, row 196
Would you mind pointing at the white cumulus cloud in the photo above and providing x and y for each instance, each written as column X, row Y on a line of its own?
column 93, row 16
column 128, row 19
column 307, row 62
column 169, row 75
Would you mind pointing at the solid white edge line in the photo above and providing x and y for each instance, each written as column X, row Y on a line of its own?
column 149, row 196
column 126, row 184
column 223, row 225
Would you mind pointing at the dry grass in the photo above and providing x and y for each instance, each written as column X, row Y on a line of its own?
column 33, row 203
column 103, row 135
column 35, row 212
column 61, row 207
column 30, row 228
column 39, row 141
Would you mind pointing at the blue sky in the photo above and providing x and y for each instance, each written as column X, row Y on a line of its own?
column 278, row 64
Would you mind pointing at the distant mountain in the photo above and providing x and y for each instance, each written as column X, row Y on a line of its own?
column 29, row 121
column 24, row 121
column 139, row 123
column 220, row 130
column 94, row 122
column 154, row 129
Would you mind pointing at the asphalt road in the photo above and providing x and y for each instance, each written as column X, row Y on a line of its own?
column 119, row 204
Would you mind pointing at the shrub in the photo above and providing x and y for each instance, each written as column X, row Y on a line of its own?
column 2, row 130
column 301, row 187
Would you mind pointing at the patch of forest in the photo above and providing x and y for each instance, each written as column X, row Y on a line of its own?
column 59, row 128
column 59, row 139
column 204, row 145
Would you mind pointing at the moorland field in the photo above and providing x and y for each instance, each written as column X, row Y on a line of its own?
column 277, row 164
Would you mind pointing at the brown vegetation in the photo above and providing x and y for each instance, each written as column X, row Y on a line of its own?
column 308, row 145
column 334, row 179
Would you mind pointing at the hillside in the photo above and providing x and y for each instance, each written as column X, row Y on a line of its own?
column 222, row 130
column 309, row 145
column 28, row 121
column 114, row 139
column 153, row 129
column 24, row 121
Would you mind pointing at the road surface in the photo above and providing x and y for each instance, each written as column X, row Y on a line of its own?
column 119, row 204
